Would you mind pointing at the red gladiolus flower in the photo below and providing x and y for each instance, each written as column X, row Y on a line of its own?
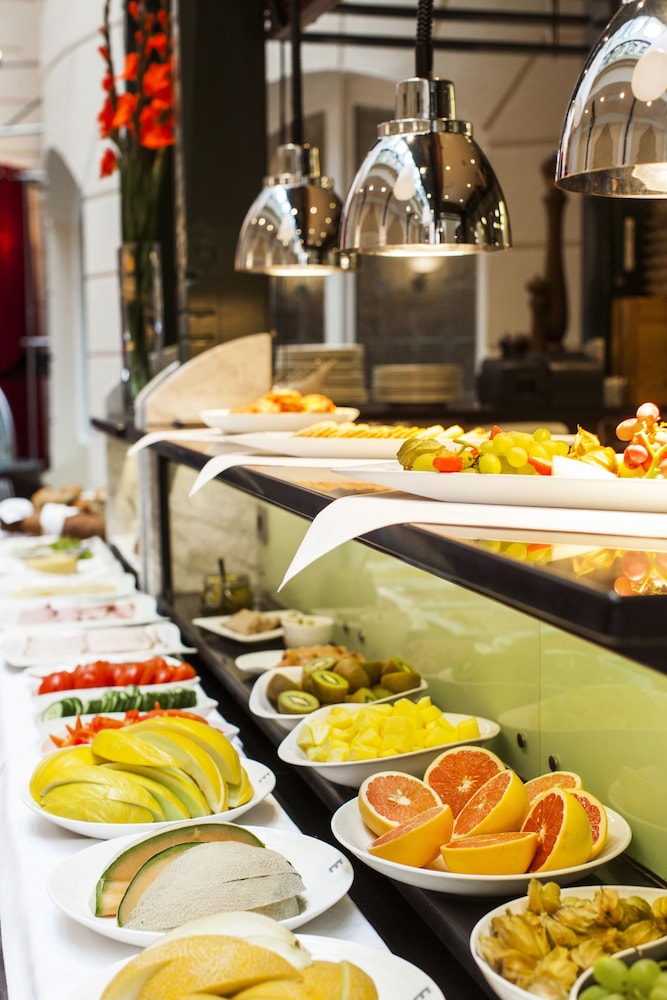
column 157, row 81
column 125, row 109
column 131, row 66
column 108, row 163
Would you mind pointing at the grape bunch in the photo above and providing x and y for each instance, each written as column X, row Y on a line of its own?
column 645, row 979
column 516, row 452
column 645, row 452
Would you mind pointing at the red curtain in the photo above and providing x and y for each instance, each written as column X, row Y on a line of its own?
column 19, row 318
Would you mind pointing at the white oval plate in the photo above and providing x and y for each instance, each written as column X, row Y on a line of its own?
column 501, row 986
column 85, row 695
column 394, row 978
column 247, row 423
column 353, row 772
column 263, row 781
column 62, row 613
column 259, row 704
column 59, row 646
column 604, row 494
column 216, row 624
column 56, row 727
column 350, row 831
column 258, row 662
column 326, row 872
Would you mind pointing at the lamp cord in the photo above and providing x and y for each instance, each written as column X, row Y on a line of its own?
column 297, row 101
column 424, row 46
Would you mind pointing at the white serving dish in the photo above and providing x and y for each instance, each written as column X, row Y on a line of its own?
column 262, row 778
column 306, row 630
column 62, row 646
column 260, row 705
column 394, row 978
column 353, row 773
column 294, row 445
column 42, row 701
column 502, row 987
column 245, row 423
column 351, row 832
column 204, row 707
column 326, row 873
column 259, row 661
column 68, row 613
column 217, row 625
column 657, row 950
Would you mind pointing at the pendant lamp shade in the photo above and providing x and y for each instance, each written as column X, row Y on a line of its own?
column 614, row 138
column 425, row 187
column 292, row 226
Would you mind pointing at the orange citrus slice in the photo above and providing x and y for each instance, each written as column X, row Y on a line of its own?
column 390, row 797
column 498, row 806
column 417, row 841
column 597, row 817
column 554, row 779
column 457, row 773
column 490, row 854
column 563, row 831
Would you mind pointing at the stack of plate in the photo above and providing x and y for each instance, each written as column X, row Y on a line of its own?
column 343, row 380
column 417, row 383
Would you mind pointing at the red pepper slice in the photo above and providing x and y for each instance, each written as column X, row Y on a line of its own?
column 448, row 463
column 539, row 464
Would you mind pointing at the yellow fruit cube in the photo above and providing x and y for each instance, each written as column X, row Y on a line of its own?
column 338, row 754
column 340, row 719
column 467, row 729
column 369, row 736
column 358, row 751
column 406, row 708
column 429, row 713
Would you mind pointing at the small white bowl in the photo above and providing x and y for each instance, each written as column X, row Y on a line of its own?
column 353, row 772
column 508, row 991
column 300, row 629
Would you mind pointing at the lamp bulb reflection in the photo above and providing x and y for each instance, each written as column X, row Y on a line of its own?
column 649, row 77
column 652, row 175
column 404, row 185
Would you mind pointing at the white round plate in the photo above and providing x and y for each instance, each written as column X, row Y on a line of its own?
column 263, row 781
column 60, row 646
column 394, row 978
column 351, row 832
column 508, row 991
column 259, row 662
column 80, row 612
column 353, row 772
column 259, row 704
column 249, row 423
column 326, row 872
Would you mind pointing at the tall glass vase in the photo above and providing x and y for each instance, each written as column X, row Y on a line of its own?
column 142, row 316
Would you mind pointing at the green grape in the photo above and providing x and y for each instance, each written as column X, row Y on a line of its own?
column 612, row 973
column 594, row 992
column 486, row 448
column 424, row 463
column 643, row 974
column 539, row 451
column 517, row 457
column 542, row 434
column 502, row 443
column 516, row 550
column 526, row 470
column 490, row 464
column 658, row 993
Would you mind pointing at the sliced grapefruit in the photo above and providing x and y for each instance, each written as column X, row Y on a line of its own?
column 597, row 817
column 457, row 773
column 498, row 806
column 391, row 797
column 563, row 831
column 491, row 854
column 554, row 779
column 417, row 841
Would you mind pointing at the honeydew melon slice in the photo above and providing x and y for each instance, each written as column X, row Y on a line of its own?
column 57, row 763
column 238, row 795
column 122, row 785
column 116, row 877
column 123, row 747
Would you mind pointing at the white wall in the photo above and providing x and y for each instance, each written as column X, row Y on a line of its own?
column 516, row 104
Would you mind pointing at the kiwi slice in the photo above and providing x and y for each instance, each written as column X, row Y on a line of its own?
column 319, row 663
column 362, row 696
column 381, row 692
column 277, row 685
column 329, row 687
column 374, row 670
column 297, row 703
column 353, row 672
column 401, row 680
column 395, row 664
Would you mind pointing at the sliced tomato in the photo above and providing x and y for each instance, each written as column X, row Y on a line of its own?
column 183, row 672
column 59, row 680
